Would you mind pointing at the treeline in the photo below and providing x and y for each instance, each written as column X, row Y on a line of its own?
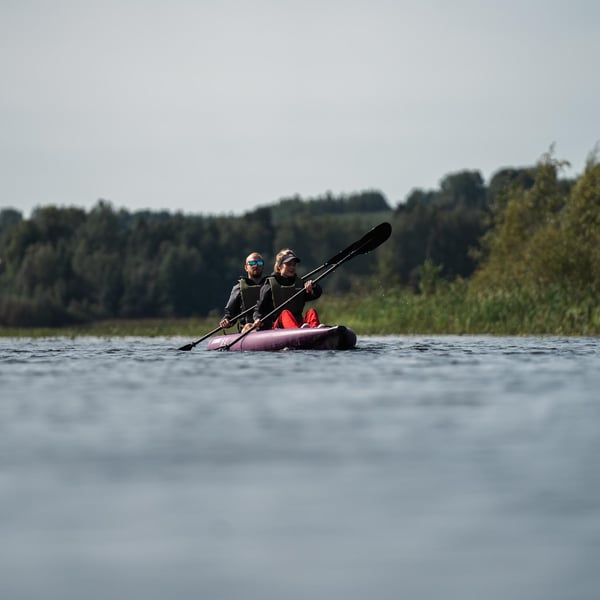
column 526, row 228
column 68, row 265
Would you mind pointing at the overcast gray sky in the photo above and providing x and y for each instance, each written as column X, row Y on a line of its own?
column 221, row 106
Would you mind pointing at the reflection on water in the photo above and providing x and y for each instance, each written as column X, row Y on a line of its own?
column 417, row 467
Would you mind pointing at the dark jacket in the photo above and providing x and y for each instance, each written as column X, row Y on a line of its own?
column 266, row 301
column 239, row 302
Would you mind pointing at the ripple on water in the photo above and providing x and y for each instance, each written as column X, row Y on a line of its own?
column 424, row 466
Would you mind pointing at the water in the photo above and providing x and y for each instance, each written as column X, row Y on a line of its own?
column 412, row 467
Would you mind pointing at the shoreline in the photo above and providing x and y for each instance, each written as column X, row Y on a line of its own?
column 449, row 311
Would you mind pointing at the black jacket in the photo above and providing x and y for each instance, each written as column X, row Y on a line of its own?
column 235, row 305
column 265, row 302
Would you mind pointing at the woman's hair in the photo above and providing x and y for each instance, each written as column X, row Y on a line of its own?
column 278, row 258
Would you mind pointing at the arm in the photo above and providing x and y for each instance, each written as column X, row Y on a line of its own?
column 233, row 307
column 263, row 307
column 313, row 291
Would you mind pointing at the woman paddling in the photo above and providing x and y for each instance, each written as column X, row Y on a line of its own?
column 282, row 285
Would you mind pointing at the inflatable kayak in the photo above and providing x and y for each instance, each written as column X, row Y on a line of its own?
column 336, row 337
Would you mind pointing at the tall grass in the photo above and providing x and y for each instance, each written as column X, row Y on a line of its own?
column 453, row 310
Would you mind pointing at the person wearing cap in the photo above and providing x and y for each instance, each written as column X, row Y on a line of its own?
column 279, row 289
column 245, row 293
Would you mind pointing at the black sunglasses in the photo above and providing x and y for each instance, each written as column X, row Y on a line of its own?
column 253, row 263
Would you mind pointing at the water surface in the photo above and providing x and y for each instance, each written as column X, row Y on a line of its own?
column 415, row 467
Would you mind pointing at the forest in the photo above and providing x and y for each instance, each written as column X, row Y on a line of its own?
column 528, row 230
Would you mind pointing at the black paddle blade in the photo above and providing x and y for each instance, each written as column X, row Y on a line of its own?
column 193, row 344
column 374, row 238
column 371, row 240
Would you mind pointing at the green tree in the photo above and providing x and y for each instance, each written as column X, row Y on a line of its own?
column 508, row 248
column 9, row 217
column 546, row 237
column 465, row 188
column 97, row 259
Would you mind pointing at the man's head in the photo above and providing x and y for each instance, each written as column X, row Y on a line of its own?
column 254, row 266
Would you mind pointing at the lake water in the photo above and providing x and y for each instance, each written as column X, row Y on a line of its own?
column 411, row 467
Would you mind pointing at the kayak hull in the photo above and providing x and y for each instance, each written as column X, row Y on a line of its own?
column 336, row 337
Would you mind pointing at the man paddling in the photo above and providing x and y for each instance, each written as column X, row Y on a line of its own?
column 245, row 293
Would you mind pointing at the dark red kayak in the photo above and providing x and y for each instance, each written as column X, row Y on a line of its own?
column 335, row 337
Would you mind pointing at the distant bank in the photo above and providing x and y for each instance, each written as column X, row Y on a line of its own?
column 452, row 309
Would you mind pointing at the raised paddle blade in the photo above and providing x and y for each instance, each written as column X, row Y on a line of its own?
column 371, row 240
column 374, row 238
column 367, row 242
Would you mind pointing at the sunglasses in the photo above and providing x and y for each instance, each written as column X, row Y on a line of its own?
column 254, row 263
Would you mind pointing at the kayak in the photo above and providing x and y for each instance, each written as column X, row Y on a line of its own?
column 335, row 337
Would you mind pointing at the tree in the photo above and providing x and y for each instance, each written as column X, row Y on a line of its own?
column 9, row 217
column 546, row 236
column 465, row 188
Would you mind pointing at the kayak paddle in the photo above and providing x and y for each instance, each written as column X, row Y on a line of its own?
column 371, row 240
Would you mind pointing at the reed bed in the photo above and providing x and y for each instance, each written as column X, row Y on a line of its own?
column 452, row 309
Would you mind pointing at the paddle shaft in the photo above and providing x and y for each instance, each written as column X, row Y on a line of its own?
column 242, row 314
column 215, row 330
column 302, row 291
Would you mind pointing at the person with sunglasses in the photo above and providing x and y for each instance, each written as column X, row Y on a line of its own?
column 280, row 289
column 245, row 293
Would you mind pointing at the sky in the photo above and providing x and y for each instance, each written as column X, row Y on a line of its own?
column 217, row 107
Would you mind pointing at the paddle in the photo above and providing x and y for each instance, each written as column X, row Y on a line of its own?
column 375, row 236
column 371, row 237
column 216, row 329
column 371, row 240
